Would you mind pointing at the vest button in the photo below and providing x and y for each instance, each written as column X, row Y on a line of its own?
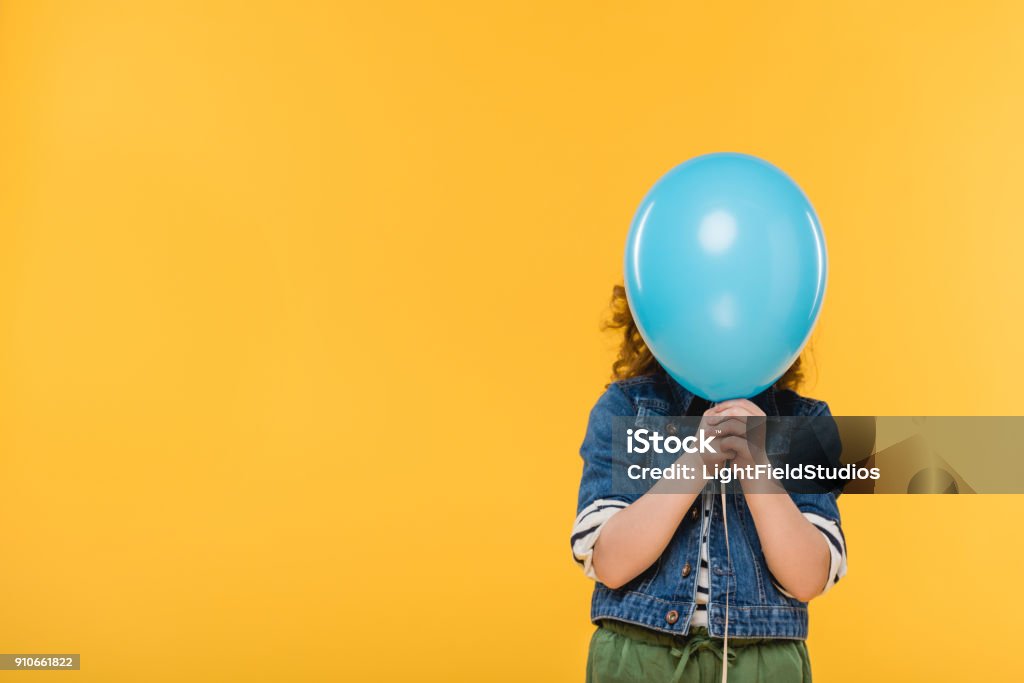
column 672, row 428
column 694, row 514
column 672, row 616
column 687, row 569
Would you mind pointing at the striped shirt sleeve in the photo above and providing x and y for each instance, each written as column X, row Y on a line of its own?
column 587, row 528
column 836, row 547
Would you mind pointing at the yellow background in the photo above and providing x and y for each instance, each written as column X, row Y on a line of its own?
column 273, row 275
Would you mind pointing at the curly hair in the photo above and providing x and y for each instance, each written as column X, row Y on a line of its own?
column 636, row 359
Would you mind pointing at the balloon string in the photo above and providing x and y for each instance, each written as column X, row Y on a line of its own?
column 728, row 556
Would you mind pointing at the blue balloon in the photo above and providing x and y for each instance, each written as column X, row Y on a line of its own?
column 725, row 273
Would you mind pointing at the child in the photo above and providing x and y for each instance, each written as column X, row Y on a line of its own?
column 677, row 571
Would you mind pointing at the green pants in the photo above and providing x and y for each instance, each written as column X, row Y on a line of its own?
column 623, row 653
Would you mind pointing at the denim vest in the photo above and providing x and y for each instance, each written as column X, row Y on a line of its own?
column 662, row 598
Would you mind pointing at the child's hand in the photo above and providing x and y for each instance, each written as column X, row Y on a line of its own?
column 709, row 423
column 739, row 426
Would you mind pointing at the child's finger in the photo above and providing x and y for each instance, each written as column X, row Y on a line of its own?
column 732, row 425
column 717, row 410
column 741, row 404
column 735, row 445
column 730, row 414
column 718, row 458
column 732, row 403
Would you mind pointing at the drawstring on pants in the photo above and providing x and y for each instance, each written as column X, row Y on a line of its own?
column 695, row 643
